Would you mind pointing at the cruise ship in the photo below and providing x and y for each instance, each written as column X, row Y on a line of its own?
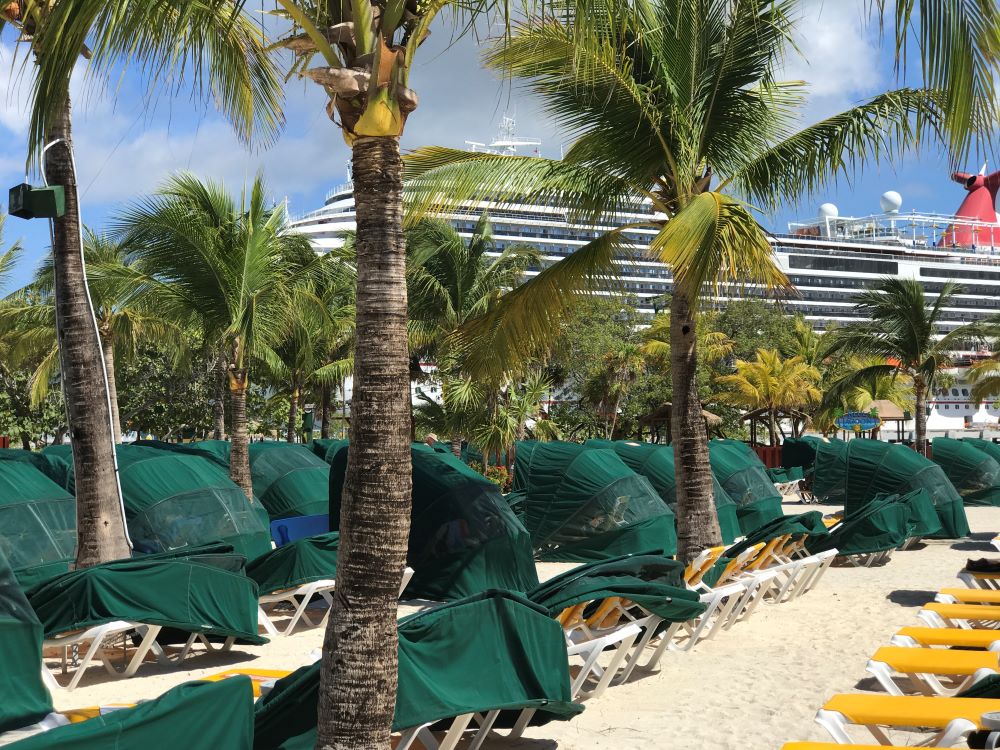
column 828, row 259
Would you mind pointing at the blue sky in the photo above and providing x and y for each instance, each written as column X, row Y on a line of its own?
column 126, row 145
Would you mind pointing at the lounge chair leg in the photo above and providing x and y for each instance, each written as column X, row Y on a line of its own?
column 955, row 733
column 881, row 671
column 148, row 638
column 265, row 622
column 835, row 723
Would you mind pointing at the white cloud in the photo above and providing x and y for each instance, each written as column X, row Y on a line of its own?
column 838, row 55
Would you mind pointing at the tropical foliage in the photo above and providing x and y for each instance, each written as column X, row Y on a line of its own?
column 909, row 340
column 657, row 110
column 772, row 385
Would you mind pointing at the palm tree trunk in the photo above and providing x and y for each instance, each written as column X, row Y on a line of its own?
column 772, row 426
column 219, row 407
column 697, row 524
column 101, row 533
column 359, row 672
column 239, row 450
column 293, row 411
column 456, row 446
column 920, row 414
column 325, row 414
column 614, row 418
column 108, row 348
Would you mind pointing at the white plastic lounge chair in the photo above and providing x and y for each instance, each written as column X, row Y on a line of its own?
column 97, row 637
column 964, row 638
column 589, row 651
column 949, row 615
column 925, row 668
column 949, row 720
column 299, row 599
column 976, row 580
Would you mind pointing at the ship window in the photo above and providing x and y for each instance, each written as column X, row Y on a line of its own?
column 954, row 391
column 965, row 391
column 819, row 263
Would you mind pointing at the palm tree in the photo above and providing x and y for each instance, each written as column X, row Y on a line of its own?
column 907, row 340
column 230, row 268
column 451, row 281
column 123, row 309
column 660, row 102
column 319, row 323
column 507, row 417
column 771, row 383
column 224, row 51
column 618, row 372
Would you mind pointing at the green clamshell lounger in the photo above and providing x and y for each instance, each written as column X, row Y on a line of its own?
column 515, row 646
column 584, row 504
column 464, row 537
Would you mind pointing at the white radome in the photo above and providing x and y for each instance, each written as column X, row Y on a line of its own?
column 828, row 211
column 890, row 202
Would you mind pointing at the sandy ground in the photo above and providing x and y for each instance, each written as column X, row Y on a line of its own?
column 755, row 686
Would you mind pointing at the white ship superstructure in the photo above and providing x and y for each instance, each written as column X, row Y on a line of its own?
column 828, row 260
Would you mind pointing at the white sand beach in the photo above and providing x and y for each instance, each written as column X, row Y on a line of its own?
column 755, row 686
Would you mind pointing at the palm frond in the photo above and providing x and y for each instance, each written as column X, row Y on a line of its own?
column 211, row 42
column 522, row 321
column 714, row 239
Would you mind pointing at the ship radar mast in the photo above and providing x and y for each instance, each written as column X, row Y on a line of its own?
column 506, row 142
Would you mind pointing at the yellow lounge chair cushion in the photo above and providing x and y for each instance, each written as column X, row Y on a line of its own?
column 962, row 637
column 257, row 676
column 964, row 611
column 971, row 596
column 937, row 660
column 910, row 711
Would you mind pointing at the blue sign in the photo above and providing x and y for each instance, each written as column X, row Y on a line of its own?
column 858, row 421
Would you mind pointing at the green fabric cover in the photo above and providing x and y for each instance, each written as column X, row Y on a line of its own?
column 879, row 526
column 25, row 698
column 312, row 558
column 327, row 449
column 921, row 517
column 54, row 466
column 289, row 479
column 191, row 716
column 178, row 593
column 801, row 451
column 652, row 581
column 464, row 538
column 37, row 523
column 744, row 478
column 809, row 523
column 974, row 472
column 175, row 499
column 855, row 472
column 791, row 474
column 584, row 504
column 493, row 650
column 60, row 461
column 216, row 451
column 986, row 446
column 656, row 463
